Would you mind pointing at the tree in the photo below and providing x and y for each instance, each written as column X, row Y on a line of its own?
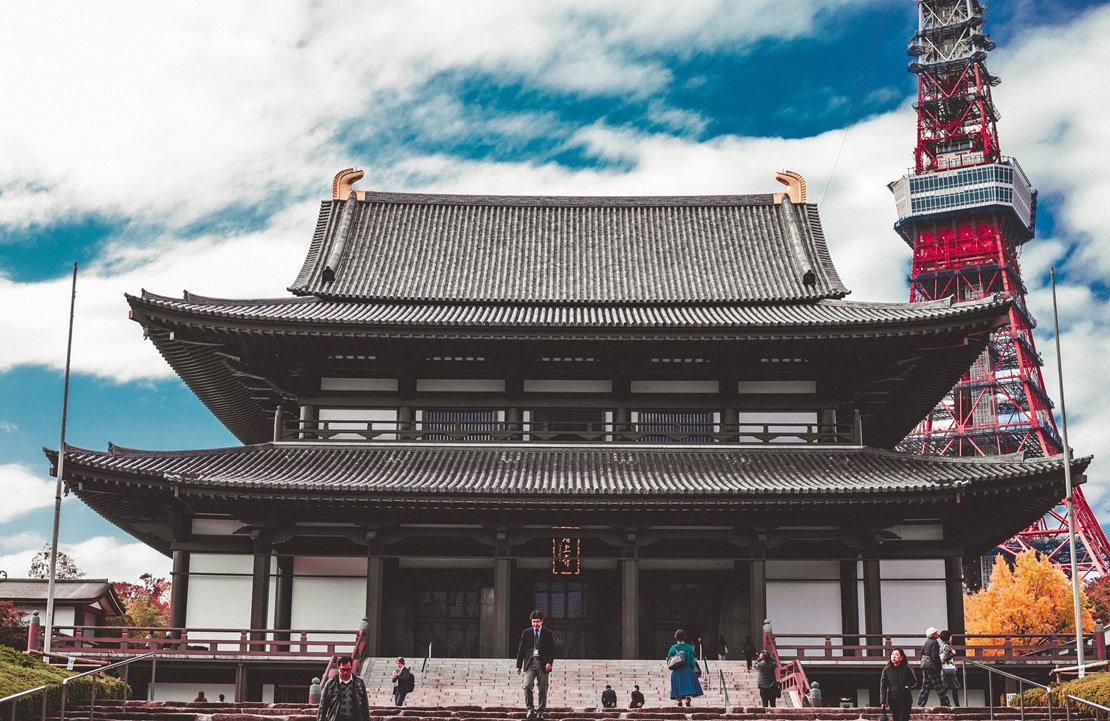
column 148, row 603
column 65, row 568
column 1098, row 594
column 1032, row 599
column 13, row 629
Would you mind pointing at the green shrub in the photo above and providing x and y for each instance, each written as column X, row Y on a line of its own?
column 21, row 672
column 1093, row 687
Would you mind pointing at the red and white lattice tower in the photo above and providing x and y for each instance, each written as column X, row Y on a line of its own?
column 966, row 210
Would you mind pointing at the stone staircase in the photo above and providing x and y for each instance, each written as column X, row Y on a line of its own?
column 489, row 690
column 182, row 711
column 573, row 684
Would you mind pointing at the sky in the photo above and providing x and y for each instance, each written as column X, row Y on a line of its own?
column 187, row 146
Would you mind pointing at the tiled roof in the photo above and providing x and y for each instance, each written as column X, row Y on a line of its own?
column 544, row 472
column 804, row 317
column 146, row 492
column 29, row 591
column 555, row 250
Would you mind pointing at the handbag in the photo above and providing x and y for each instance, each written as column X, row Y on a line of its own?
column 778, row 689
column 677, row 661
column 947, row 668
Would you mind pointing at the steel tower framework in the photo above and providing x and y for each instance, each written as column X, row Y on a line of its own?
column 965, row 210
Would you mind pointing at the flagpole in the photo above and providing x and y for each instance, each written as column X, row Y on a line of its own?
column 1068, row 487
column 49, row 632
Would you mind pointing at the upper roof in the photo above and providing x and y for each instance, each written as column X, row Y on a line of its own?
column 517, row 278
column 567, row 250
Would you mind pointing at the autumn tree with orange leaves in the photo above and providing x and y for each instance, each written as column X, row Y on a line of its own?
column 1033, row 599
column 147, row 604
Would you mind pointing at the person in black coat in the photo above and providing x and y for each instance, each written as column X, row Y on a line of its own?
column 767, row 679
column 609, row 697
column 403, row 682
column 896, row 686
column 749, row 651
column 534, row 657
column 637, row 698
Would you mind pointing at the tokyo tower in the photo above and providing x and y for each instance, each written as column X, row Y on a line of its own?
column 965, row 210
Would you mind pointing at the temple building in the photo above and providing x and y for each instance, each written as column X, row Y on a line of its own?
column 634, row 413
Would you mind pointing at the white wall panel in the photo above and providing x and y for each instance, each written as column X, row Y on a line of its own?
column 202, row 563
column 219, row 602
column 328, row 603
column 803, row 607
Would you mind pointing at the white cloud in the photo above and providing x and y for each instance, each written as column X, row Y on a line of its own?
column 20, row 542
column 104, row 557
column 164, row 115
column 24, row 491
column 98, row 557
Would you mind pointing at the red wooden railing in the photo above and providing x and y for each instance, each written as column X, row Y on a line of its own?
column 205, row 642
column 792, row 651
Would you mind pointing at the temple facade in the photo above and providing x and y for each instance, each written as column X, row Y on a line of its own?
column 634, row 413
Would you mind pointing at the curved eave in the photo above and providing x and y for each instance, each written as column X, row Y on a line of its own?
column 297, row 317
column 143, row 492
column 196, row 334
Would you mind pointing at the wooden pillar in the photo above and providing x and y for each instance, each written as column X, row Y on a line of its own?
column 260, row 589
column 630, row 595
column 179, row 591
column 757, row 583
column 502, row 590
column 873, row 601
column 849, row 602
column 307, row 423
column 283, row 604
column 954, row 592
column 375, row 573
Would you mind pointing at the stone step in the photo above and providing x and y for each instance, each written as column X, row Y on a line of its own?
column 178, row 711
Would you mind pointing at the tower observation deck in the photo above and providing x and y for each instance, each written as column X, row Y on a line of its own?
column 965, row 211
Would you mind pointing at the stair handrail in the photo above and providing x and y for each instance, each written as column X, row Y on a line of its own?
column 724, row 689
column 704, row 663
column 125, row 663
column 31, row 691
column 1077, row 699
column 991, row 671
column 792, row 677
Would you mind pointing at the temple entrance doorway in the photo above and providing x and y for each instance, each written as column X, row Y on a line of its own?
column 447, row 615
column 576, row 613
column 695, row 605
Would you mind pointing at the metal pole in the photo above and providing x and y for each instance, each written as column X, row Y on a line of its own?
column 49, row 633
column 1068, row 487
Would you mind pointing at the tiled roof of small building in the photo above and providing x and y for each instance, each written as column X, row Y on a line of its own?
column 556, row 250
column 67, row 591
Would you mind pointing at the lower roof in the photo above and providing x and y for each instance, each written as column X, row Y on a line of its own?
column 67, row 592
column 147, row 492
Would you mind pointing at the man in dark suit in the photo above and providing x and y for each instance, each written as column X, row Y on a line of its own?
column 534, row 658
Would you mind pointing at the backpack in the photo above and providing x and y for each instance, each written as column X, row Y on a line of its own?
column 408, row 678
